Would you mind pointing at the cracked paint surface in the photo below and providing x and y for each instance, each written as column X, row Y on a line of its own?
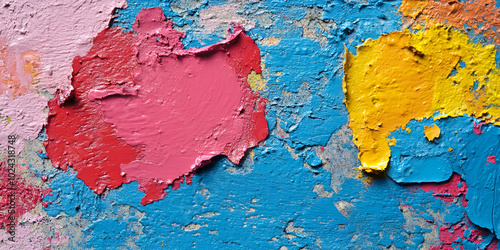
column 300, row 187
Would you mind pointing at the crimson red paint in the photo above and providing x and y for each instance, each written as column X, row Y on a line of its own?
column 77, row 133
column 450, row 235
column 146, row 109
column 448, row 190
column 477, row 127
column 25, row 196
column 491, row 159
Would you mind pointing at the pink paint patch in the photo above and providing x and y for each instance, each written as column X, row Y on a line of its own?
column 17, row 197
column 493, row 245
column 449, row 190
column 184, row 107
column 477, row 127
column 491, row 159
column 448, row 236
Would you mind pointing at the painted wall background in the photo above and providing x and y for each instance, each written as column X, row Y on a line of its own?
column 301, row 186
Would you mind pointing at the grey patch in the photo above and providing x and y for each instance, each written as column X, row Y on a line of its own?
column 313, row 23
column 206, row 214
column 412, row 220
column 292, row 231
column 203, row 191
column 344, row 207
column 193, row 227
column 320, row 190
column 339, row 157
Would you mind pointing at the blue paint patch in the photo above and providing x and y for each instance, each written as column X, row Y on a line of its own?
column 414, row 159
column 312, row 159
column 269, row 201
column 42, row 155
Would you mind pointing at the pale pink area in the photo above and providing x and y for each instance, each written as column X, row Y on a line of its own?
column 477, row 127
column 26, row 118
column 101, row 93
column 30, row 234
column 57, row 30
column 491, row 159
column 221, row 16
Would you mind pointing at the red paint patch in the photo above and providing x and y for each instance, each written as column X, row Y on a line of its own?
column 448, row 235
column 477, row 127
column 491, row 159
column 448, row 190
column 77, row 134
column 146, row 109
column 17, row 197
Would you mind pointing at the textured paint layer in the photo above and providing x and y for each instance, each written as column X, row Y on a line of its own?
column 416, row 160
column 78, row 136
column 403, row 76
column 190, row 106
column 481, row 16
column 16, row 196
column 22, row 116
column 56, row 30
column 38, row 41
column 431, row 132
column 275, row 198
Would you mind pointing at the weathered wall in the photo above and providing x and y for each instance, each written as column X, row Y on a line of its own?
column 94, row 168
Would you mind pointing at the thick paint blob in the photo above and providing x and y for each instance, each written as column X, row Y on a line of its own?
column 17, row 196
column 145, row 109
column 482, row 16
column 415, row 159
column 78, row 136
column 56, row 31
column 432, row 132
column 403, row 76
column 38, row 41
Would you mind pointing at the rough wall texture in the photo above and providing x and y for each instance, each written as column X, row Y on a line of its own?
column 406, row 90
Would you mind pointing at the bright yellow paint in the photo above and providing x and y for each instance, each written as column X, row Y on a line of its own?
column 403, row 76
column 392, row 141
column 412, row 8
column 431, row 132
column 450, row 149
column 255, row 81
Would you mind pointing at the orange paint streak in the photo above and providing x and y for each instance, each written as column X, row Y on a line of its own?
column 480, row 15
column 18, row 70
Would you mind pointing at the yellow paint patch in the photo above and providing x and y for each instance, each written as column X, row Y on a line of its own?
column 408, row 130
column 392, row 141
column 450, row 149
column 412, row 8
column 31, row 64
column 255, row 81
column 431, row 132
column 403, row 76
column 362, row 176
